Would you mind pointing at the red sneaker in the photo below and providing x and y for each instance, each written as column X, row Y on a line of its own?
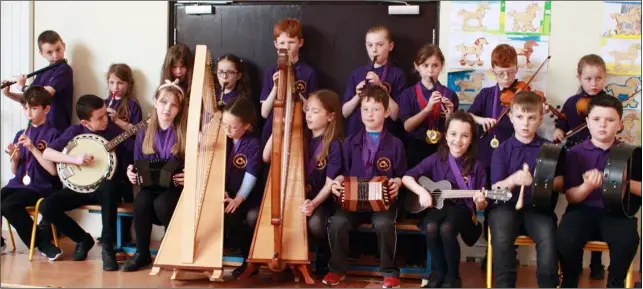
column 333, row 279
column 391, row 282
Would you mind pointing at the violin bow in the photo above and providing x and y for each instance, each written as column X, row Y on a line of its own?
column 506, row 109
column 584, row 125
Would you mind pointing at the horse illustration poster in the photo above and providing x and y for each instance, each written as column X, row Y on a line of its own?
column 622, row 56
column 472, row 16
column 528, row 17
column 631, row 127
column 532, row 50
column 623, row 87
column 622, row 19
column 471, row 50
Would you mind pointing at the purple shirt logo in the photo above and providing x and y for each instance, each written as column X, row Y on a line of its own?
column 240, row 161
column 321, row 165
column 300, row 87
column 41, row 145
column 384, row 164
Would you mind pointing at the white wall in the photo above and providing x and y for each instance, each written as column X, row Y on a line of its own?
column 571, row 38
column 99, row 33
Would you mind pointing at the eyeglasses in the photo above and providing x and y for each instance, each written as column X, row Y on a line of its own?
column 226, row 73
column 504, row 73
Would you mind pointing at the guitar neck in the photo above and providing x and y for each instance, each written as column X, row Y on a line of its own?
column 455, row 194
column 125, row 135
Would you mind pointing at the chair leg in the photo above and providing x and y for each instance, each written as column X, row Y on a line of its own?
column 13, row 242
column 489, row 260
column 34, row 229
column 629, row 278
column 53, row 231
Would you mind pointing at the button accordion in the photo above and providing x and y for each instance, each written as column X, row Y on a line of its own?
column 156, row 173
column 365, row 195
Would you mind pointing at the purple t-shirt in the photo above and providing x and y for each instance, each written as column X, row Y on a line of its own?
column 388, row 159
column 135, row 116
column 395, row 79
column 61, row 78
column 41, row 181
column 437, row 168
column 227, row 96
column 123, row 157
column 317, row 171
column 581, row 158
column 573, row 118
column 410, row 106
column 242, row 157
column 305, row 77
column 483, row 106
column 163, row 143
column 509, row 157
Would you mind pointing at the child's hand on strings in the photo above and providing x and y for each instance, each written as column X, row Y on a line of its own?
column 307, row 208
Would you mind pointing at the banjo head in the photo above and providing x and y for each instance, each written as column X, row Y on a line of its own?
column 622, row 163
column 85, row 179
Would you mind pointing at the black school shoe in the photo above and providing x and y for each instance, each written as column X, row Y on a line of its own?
column 50, row 251
column 457, row 283
column 137, row 262
column 109, row 259
column 82, row 248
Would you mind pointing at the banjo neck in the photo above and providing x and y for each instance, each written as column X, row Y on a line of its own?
column 125, row 135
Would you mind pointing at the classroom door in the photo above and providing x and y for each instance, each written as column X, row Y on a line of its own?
column 334, row 35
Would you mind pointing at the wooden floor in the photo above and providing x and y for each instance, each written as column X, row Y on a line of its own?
column 18, row 271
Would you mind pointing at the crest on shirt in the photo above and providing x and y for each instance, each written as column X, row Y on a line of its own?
column 321, row 164
column 300, row 87
column 387, row 86
column 41, row 145
column 240, row 161
column 383, row 164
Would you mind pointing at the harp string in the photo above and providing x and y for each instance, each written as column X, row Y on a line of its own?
column 288, row 123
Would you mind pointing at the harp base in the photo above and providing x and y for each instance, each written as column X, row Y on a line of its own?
column 181, row 274
column 298, row 270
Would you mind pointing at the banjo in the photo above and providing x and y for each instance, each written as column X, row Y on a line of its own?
column 85, row 179
column 441, row 191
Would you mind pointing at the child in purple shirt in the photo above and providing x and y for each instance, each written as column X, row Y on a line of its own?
column 93, row 120
column 585, row 216
column 455, row 162
column 323, row 163
column 162, row 140
column 508, row 164
column 178, row 64
column 58, row 81
column 592, row 76
column 232, row 78
column 421, row 105
column 34, row 176
column 370, row 152
column 380, row 72
column 288, row 35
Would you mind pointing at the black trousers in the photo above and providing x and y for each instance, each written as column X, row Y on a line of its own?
column 340, row 225
column 240, row 225
column 152, row 206
column 107, row 195
column 14, row 201
column 578, row 225
column 442, row 227
column 506, row 224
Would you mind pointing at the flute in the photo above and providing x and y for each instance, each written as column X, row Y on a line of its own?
column 59, row 62
column 444, row 110
column 17, row 148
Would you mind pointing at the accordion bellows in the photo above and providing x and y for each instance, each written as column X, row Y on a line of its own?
column 365, row 195
column 156, row 172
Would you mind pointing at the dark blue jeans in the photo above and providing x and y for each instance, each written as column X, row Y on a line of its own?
column 506, row 224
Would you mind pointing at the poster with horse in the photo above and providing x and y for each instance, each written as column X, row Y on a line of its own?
column 474, row 16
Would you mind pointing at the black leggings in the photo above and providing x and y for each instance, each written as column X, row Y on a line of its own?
column 152, row 206
column 442, row 227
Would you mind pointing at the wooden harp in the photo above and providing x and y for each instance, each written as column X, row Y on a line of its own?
column 281, row 233
column 193, row 242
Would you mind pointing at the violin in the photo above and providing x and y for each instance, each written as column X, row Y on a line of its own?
column 507, row 96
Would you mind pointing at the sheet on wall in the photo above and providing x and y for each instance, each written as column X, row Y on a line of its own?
column 621, row 50
column 479, row 26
